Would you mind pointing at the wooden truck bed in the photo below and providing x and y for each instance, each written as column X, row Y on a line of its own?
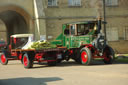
column 42, row 50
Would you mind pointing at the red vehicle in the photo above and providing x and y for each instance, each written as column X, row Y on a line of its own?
column 80, row 41
column 28, row 56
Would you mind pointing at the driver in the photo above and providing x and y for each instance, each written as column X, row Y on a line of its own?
column 92, row 29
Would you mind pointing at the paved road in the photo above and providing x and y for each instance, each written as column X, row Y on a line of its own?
column 66, row 73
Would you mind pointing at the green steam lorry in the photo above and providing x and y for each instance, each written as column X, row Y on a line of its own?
column 80, row 41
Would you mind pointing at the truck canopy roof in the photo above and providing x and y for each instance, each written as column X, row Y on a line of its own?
column 82, row 22
column 21, row 35
column 85, row 22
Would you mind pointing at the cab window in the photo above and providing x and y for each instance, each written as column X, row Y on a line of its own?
column 82, row 29
column 85, row 29
column 18, row 43
column 66, row 31
column 72, row 27
column 70, row 30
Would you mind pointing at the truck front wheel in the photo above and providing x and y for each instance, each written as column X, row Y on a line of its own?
column 27, row 62
column 3, row 59
column 85, row 56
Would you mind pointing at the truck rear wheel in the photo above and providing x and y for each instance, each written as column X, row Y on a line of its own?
column 109, row 55
column 85, row 56
column 3, row 59
column 27, row 62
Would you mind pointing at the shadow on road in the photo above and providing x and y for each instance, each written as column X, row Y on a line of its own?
column 119, row 60
column 70, row 63
column 94, row 63
column 28, row 81
column 62, row 64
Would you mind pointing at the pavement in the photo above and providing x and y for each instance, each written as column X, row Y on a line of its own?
column 66, row 73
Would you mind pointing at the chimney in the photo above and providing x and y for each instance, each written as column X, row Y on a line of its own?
column 99, row 25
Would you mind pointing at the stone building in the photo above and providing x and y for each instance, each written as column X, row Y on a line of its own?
column 44, row 18
column 117, row 26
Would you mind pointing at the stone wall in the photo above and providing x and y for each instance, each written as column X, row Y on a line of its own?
column 50, row 24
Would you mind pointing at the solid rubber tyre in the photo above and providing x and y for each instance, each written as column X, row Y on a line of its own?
column 109, row 54
column 85, row 56
column 3, row 59
column 27, row 61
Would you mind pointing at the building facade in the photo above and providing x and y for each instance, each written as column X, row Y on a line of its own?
column 44, row 18
column 117, row 26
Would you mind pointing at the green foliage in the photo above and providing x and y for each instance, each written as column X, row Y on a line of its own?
column 41, row 45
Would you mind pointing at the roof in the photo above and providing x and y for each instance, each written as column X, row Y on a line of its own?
column 82, row 22
column 85, row 22
column 21, row 35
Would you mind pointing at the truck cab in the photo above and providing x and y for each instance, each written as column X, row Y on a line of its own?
column 80, row 33
column 20, row 41
column 85, row 41
column 80, row 41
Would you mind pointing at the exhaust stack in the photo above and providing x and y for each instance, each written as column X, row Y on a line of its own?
column 99, row 25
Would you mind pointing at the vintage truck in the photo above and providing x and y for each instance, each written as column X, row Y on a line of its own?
column 80, row 41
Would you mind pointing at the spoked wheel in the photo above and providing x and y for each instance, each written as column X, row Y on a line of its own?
column 27, row 62
column 3, row 59
column 85, row 56
column 109, row 55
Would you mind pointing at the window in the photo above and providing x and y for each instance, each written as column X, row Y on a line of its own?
column 111, row 2
column 74, row 2
column 86, row 29
column 82, row 29
column 126, row 33
column 52, row 2
column 66, row 31
column 18, row 43
column 72, row 27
